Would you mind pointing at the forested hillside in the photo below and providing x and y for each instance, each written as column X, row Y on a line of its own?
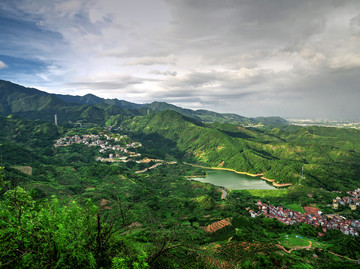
column 210, row 116
column 329, row 156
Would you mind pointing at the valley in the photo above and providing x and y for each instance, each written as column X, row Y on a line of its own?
column 114, row 181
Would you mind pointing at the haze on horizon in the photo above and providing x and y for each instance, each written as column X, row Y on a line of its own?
column 295, row 59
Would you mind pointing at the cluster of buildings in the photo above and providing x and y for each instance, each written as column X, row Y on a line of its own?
column 68, row 140
column 325, row 123
column 353, row 200
column 317, row 219
column 104, row 144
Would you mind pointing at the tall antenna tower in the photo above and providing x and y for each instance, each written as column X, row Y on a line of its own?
column 56, row 123
column 302, row 172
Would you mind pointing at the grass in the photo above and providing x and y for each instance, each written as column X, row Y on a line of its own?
column 317, row 244
column 292, row 241
column 90, row 189
column 266, row 193
column 295, row 207
column 24, row 169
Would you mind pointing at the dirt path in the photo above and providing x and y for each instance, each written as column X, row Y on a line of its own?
column 341, row 256
column 308, row 248
column 284, row 249
column 295, row 248
column 146, row 169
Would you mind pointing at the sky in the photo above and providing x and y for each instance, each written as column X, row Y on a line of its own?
column 288, row 58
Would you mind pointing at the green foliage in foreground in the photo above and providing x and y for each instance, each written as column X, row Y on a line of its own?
column 54, row 233
column 45, row 234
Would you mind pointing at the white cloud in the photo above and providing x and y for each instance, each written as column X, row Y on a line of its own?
column 164, row 73
column 226, row 53
column 351, row 60
column 3, row 65
column 168, row 60
column 68, row 8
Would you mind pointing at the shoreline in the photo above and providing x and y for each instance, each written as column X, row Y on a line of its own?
column 244, row 173
column 277, row 184
column 225, row 169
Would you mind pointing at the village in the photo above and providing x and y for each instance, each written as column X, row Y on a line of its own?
column 315, row 218
column 105, row 145
column 118, row 153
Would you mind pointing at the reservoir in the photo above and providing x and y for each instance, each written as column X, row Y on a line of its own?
column 234, row 181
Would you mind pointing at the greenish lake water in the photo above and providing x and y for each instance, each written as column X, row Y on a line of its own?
column 234, row 181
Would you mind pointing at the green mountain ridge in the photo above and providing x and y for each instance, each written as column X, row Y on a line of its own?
column 35, row 104
column 210, row 116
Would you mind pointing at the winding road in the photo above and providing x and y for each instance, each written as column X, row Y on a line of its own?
column 224, row 193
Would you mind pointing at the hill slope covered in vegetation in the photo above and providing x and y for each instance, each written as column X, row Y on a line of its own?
column 329, row 156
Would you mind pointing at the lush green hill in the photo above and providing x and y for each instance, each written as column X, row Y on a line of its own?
column 330, row 157
column 24, row 141
column 90, row 99
column 34, row 104
column 162, row 106
column 210, row 116
column 15, row 98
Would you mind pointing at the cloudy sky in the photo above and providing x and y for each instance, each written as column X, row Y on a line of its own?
column 292, row 58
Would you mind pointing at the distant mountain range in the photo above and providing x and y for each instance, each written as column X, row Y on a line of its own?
column 35, row 104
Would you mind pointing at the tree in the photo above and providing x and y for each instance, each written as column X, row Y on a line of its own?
column 206, row 202
column 47, row 234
